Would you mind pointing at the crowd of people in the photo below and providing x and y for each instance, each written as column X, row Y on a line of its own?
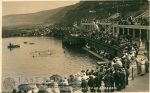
column 109, row 77
column 121, row 20
column 107, row 37
column 119, row 68
column 143, row 21
column 130, row 21
column 117, row 72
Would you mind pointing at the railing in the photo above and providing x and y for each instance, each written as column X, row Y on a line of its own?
column 142, row 15
column 123, row 26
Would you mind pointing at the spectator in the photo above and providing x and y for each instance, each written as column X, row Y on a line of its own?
column 84, row 86
column 146, row 63
column 91, row 83
column 142, row 67
column 138, row 65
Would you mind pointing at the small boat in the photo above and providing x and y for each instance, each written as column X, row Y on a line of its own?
column 25, row 42
column 31, row 43
column 13, row 46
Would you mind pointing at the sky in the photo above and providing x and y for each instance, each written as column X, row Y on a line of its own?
column 23, row 7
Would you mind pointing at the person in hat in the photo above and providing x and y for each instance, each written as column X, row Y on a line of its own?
column 118, row 61
column 113, row 62
column 84, row 76
column 87, row 72
column 71, row 79
column 65, row 81
column 79, row 77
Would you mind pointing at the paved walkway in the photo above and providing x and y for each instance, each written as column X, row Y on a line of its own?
column 139, row 84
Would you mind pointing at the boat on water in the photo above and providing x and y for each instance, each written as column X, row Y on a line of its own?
column 25, row 42
column 31, row 43
column 28, row 43
column 13, row 46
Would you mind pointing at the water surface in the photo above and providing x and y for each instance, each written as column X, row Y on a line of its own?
column 21, row 62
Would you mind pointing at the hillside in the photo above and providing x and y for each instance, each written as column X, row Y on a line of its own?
column 58, row 16
column 47, row 16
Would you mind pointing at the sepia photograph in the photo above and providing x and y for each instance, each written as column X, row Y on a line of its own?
column 75, row 46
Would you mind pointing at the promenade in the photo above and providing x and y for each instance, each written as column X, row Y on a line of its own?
column 139, row 84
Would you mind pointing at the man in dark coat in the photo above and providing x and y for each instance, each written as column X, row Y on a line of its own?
column 146, row 63
column 91, row 84
column 123, row 78
column 98, row 80
column 112, row 79
column 84, row 85
column 87, row 72
column 108, row 81
column 127, row 75
column 117, row 79
column 126, row 63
